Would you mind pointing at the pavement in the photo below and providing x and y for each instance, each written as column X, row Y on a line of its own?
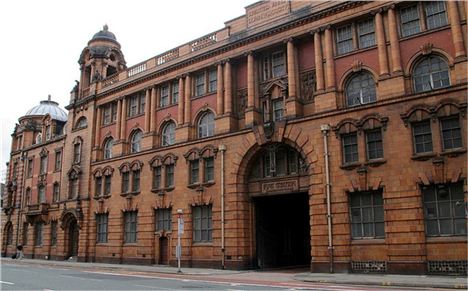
column 420, row 281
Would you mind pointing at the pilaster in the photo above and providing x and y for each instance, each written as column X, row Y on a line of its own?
column 394, row 42
column 381, row 44
column 318, row 60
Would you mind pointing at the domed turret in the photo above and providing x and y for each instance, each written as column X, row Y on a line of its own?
column 47, row 107
column 100, row 59
column 104, row 35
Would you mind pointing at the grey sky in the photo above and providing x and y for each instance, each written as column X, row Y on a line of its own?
column 42, row 40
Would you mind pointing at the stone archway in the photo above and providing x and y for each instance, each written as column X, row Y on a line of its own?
column 271, row 201
column 71, row 229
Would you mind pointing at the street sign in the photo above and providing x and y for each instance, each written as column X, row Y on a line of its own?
column 180, row 226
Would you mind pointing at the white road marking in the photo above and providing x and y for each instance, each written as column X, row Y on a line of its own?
column 8, row 283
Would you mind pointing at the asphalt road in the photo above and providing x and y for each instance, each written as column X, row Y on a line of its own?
column 48, row 278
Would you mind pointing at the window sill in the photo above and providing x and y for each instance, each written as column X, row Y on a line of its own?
column 167, row 106
column 208, row 183
column 446, row 239
column 350, row 166
column 368, row 241
column 376, row 162
column 194, row 185
column 108, row 124
column 203, row 95
column 427, row 31
column 102, row 243
column 132, row 244
column 135, row 116
column 130, row 193
column 355, row 51
column 452, row 153
column 99, row 197
column 73, row 130
column 202, row 244
column 423, row 156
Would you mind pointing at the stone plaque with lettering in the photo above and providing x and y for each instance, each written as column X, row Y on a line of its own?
column 266, row 11
column 280, row 186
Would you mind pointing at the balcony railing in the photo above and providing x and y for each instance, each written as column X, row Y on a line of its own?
column 132, row 71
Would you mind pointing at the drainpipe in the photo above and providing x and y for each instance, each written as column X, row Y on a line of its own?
column 325, row 128
column 20, row 206
column 222, row 149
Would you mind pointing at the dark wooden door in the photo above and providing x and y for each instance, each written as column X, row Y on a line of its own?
column 73, row 239
column 163, row 251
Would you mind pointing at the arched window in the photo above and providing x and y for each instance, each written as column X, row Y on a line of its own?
column 168, row 134
column 81, row 123
column 108, row 148
column 135, row 143
column 38, row 138
column 430, row 73
column 360, row 89
column 206, row 125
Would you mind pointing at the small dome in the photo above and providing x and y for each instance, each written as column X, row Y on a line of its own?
column 104, row 34
column 48, row 107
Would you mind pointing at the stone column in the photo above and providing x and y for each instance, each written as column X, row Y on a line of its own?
column 153, row 110
column 329, row 58
column 180, row 112
column 123, row 123
column 394, row 42
column 457, row 34
column 97, row 132
column 250, row 81
column 148, row 110
column 292, row 77
column 318, row 60
column 119, row 119
column 381, row 45
column 227, row 88
column 219, row 90
column 188, row 107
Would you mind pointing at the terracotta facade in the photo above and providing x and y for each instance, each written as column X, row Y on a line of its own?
column 269, row 150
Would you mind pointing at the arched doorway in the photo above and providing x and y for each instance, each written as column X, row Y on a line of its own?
column 73, row 239
column 72, row 235
column 277, row 183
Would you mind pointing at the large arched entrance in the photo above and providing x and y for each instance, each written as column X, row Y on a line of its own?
column 278, row 184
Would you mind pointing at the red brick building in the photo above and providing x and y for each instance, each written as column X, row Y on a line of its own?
column 327, row 134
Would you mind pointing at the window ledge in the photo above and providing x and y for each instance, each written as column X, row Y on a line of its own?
column 203, row 95
column 368, row 241
column 132, row 244
column 202, row 244
column 102, row 243
column 355, row 51
column 446, row 239
column 376, row 162
column 135, row 116
column 158, row 191
column 194, row 185
column 427, row 31
column 453, row 152
column 350, row 166
column 167, row 106
column 108, row 124
column 423, row 156
column 169, row 189
column 208, row 183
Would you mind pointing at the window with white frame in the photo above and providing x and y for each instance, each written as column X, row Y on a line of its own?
column 360, row 89
column 168, row 134
column 422, row 16
column 108, row 148
column 430, row 73
column 135, row 141
column 206, row 125
column 274, row 65
column 136, row 104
